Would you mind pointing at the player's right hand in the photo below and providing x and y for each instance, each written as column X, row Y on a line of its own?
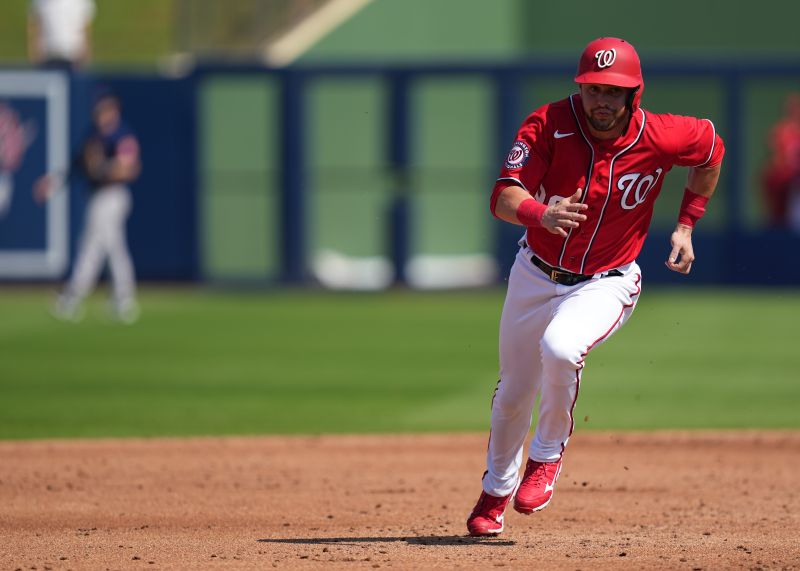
column 43, row 188
column 565, row 214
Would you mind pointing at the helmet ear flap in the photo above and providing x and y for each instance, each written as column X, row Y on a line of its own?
column 631, row 97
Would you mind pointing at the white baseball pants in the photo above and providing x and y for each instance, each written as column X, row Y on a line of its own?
column 104, row 237
column 546, row 331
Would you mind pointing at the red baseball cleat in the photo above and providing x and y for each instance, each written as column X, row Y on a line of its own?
column 487, row 515
column 536, row 489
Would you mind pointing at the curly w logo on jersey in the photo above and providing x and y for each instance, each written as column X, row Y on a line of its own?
column 636, row 187
column 518, row 155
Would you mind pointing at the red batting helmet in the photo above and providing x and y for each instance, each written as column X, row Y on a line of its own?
column 612, row 61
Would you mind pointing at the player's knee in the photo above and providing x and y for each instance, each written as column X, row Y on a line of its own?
column 558, row 352
column 511, row 399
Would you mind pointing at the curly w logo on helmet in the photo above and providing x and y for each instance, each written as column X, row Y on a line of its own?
column 606, row 58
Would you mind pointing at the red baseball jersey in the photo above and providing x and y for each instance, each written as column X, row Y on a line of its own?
column 555, row 154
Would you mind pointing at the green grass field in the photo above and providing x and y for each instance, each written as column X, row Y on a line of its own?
column 206, row 363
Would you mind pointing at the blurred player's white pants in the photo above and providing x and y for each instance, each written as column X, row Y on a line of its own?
column 546, row 331
column 104, row 238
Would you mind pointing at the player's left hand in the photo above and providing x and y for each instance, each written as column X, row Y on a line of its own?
column 682, row 254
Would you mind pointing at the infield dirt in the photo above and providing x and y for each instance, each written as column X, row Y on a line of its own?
column 628, row 501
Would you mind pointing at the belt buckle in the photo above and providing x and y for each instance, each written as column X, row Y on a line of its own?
column 554, row 275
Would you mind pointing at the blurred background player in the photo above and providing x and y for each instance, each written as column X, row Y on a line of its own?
column 58, row 32
column 781, row 176
column 109, row 159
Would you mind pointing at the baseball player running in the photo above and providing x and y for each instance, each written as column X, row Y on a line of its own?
column 582, row 177
column 110, row 161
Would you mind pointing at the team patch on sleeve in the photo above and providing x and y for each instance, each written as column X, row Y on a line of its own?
column 518, row 155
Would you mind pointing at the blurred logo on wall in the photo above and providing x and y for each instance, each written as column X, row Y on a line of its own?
column 15, row 137
column 34, row 140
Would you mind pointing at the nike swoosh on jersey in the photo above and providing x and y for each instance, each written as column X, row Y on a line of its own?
column 562, row 135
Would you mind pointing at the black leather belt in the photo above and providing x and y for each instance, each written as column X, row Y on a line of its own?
column 566, row 278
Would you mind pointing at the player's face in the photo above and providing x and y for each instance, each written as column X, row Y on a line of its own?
column 106, row 115
column 604, row 106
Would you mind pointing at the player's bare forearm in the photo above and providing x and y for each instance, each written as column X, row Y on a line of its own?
column 124, row 171
column 557, row 218
column 508, row 203
column 703, row 181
